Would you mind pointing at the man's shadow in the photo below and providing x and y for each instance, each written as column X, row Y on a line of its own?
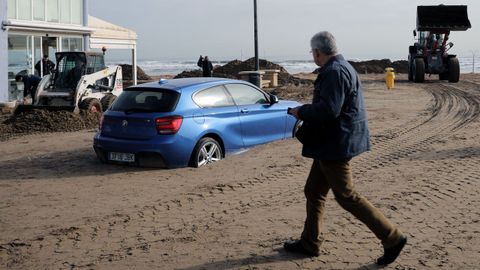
column 280, row 256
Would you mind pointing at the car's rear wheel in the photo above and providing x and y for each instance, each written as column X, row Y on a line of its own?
column 206, row 151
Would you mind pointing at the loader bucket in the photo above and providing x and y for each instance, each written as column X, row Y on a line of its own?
column 442, row 18
column 29, row 108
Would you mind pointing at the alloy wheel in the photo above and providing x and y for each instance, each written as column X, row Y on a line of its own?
column 210, row 152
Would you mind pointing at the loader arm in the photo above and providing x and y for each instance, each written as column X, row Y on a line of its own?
column 93, row 85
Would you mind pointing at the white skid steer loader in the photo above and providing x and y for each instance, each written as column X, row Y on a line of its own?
column 81, row 81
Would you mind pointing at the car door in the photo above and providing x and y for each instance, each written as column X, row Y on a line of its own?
column 220, row 115
column 261, row 122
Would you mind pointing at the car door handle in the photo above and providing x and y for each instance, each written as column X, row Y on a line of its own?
column 244, row 110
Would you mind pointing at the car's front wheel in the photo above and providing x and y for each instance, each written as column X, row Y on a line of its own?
column 206, row 151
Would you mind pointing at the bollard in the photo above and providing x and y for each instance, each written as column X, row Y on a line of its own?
column 390, row 77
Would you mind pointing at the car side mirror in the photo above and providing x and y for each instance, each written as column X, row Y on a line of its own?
column 450, row 45
column 414, row 33
column 273, row 99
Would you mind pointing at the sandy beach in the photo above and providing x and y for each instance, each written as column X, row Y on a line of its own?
column 60, row 208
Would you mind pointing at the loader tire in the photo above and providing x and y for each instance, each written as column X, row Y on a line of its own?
column 92, row 105
column 453, row 70
column 107, row 101
column 410, row 69
column 418, row 70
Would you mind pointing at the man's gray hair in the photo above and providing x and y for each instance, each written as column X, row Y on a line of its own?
column 325, row 42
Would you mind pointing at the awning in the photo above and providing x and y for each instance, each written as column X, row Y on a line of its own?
column 46, row 27
column 110, row 35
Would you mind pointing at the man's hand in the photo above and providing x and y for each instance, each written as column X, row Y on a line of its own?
column 294, row 112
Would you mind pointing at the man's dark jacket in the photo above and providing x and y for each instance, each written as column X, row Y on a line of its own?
column 48, row 66
column 30, row 84
column 207, row 68
column 337, row 112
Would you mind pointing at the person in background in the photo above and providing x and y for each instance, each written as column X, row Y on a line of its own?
column 30, row 84
column 338, row 110
column 206, row 66
column 47, row 65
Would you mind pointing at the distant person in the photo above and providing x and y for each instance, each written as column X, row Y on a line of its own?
column 30, row 84
column 206, row 66
column 47, row 65
column 338, row 132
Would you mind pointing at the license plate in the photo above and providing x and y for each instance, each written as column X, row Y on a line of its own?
column 124, row 157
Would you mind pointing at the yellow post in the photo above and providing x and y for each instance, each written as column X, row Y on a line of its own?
column 390, row 77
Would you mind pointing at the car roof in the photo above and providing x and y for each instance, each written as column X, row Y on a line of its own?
column 184, row 83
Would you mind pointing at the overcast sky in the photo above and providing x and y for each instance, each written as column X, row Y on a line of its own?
column 223, row 29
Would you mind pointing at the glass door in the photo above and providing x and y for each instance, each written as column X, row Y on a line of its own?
column 50, row 47
column 19, row 63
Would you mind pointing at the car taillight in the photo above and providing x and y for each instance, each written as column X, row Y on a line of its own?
column 169, row 124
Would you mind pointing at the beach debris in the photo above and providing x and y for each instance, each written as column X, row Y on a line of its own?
column 39, row 121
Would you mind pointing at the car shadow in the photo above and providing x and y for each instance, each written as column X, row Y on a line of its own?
column 64, row 164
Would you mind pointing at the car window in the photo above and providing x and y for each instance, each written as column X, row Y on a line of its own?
column 245, row 95
column 146, row 100
column 212, row 97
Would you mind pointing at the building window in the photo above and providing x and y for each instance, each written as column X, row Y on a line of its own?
column 63, row 11
column 24, row 9
column 72, row 44
column 77, row 11
column 12, row 9
column 39, row 10
column 52, row 10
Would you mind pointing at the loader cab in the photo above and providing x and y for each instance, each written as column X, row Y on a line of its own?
column 71, row 66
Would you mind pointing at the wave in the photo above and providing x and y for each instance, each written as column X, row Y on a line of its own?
column 156, row 67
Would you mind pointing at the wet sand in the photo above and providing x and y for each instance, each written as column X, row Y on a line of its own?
column 61, row 209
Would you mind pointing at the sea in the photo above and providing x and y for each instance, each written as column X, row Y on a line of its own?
column 173, row 67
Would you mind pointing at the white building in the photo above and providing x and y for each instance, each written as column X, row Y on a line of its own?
column 33, row 28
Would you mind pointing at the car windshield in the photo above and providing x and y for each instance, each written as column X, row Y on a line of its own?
column 145, row 100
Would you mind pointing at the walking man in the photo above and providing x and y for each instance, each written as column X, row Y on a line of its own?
column 338, row 114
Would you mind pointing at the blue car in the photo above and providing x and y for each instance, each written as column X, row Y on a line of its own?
column 193, row 121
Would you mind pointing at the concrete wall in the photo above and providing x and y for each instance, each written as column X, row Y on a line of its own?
column 3, row 54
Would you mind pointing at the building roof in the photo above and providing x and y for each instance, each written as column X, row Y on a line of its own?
column 110, row 35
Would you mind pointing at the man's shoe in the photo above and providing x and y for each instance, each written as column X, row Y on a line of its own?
column 297, row 247
column 390, row 254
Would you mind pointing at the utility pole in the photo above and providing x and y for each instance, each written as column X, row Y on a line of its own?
column 474, row 53
column 256, row 76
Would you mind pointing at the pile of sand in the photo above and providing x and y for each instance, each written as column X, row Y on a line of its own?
column 127, row 73
column 378, row 66
column 232, row 68
column 44, row 121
